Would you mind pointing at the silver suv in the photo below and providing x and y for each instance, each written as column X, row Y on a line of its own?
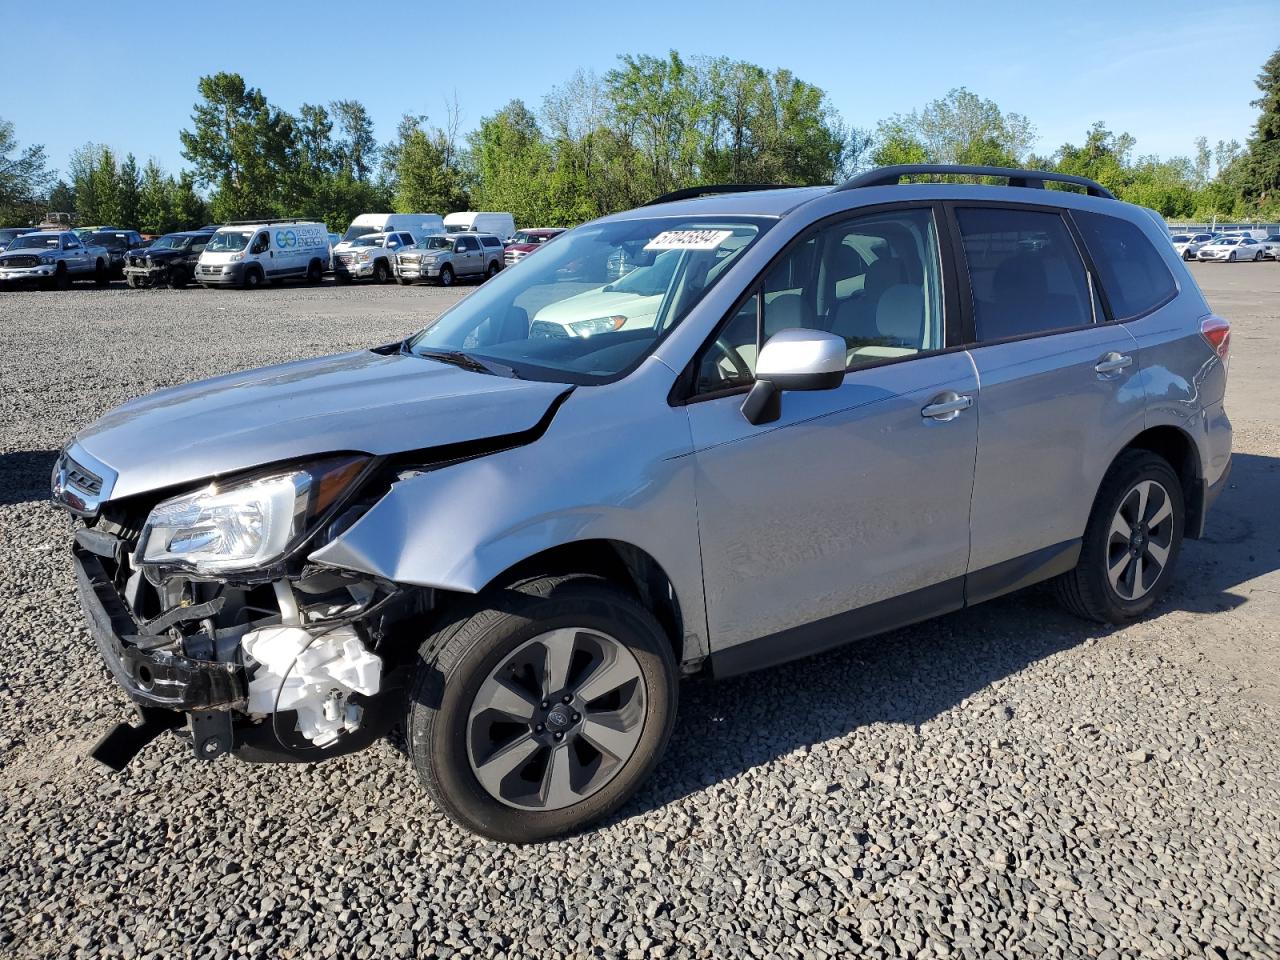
column 802, row 416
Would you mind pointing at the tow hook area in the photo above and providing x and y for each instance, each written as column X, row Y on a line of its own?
column 122, row 743
column 211, row 734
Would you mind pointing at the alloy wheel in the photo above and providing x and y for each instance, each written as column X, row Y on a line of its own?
column 556, row 719
column 1140, row 539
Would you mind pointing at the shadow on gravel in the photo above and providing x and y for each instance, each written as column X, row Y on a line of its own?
column 912, row 675
column 24, row 476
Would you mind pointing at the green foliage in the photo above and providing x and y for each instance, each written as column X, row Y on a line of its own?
column 958, row 128
column 23, row 177
column 424, row 162
column 1259, row 176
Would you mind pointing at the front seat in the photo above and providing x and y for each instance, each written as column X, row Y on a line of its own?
column 855, row 318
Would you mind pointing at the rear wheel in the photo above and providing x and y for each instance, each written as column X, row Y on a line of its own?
column 315, row 272
column 542, row 707
column 177, row 277
column 1131, row 542
column 491, row 272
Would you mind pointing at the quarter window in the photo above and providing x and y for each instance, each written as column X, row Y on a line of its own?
column 874, row 280
column 1133, row 275
column 1025, row 273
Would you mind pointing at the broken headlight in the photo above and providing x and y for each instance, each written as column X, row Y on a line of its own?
column 244, row 524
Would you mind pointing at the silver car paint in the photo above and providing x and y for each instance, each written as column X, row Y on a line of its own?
column 363, row 401
column 850, row 498
column 618, row 462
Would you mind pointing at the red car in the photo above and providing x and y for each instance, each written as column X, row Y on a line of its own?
column 527, row 241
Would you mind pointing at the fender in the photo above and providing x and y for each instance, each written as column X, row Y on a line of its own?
column 460, row 526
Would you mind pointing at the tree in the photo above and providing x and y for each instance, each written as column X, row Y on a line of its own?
column 423, row 162
column 129, row 188
column 155, row 210
column 1260, row 176
column 511, row 165
column 356, row 152
column 106, row 188
column 23, row 176
column 958, row 128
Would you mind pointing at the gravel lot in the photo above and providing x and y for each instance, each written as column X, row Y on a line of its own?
column 1002, row 782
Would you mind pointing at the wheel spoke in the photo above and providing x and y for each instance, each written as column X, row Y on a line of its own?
column 496, row 694
column 1117, row 570
column 1120, row 526
column 505, row 761
column 557, row 789
column 1163, row 512
column 608, row 676
column 1135, row 578
column 1144, row 491
column 610, row 733
column 1158, row 554
column 559, row 646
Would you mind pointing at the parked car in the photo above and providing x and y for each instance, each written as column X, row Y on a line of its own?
column 501, row 225
column 118, row 243
column 1230, row 248
column 1271, row 246
column 54, row 258
column 449, row 257
column 169, row 261
column 85, row 232
column 856, row 408
column 370, row 256
column 8, row 234
column 248, row 254
column 1187, row 244
column 417, row 224
column 526, row 242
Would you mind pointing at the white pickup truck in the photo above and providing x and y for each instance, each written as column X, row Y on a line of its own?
column 53, row 258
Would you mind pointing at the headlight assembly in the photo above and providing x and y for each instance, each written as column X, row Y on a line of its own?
column 46, row 259
column 586, row 328
column 245, row 524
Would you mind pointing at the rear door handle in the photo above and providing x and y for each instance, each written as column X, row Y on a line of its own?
column 946, row 406
column 1112, row 362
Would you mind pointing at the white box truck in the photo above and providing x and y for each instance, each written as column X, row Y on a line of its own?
column 419, row 224
column 501, row 225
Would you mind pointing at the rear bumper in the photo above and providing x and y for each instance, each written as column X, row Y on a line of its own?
column 150, row 678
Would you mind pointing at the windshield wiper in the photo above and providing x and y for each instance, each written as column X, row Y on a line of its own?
column 466, row 361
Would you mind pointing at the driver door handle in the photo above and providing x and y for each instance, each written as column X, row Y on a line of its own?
column 946, row 406
column 1112, row 362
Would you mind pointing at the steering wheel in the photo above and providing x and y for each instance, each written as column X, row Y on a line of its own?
column 740, row 368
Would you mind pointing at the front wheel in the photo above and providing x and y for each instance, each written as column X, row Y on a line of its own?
column 380, row 272
column 101, row 276
column 1131, row 542
column 446, row 276
column 252, row 278
column 177, row 278
column 541, row 708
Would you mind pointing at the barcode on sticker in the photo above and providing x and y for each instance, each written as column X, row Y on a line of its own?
column 688, row 240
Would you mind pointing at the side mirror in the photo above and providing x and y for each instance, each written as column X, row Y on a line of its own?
column 794, row 359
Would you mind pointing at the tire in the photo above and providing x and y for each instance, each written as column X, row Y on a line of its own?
column 61, row 278
column 252, row 279
column 177, row 278
column 491, row 272
column 1088, row 591
column 381, row 272
column 585, row 618
column 101, row 275
column 1188, row 256
column 342, row 278
column 446, row 276
column 315, row 272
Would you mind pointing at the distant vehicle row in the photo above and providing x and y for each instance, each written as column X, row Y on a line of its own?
column 381, row 247
column 1230, row 247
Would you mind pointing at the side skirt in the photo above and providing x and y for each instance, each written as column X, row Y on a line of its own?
column 896, row 612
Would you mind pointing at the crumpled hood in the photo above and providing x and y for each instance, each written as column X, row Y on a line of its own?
column 364, row 401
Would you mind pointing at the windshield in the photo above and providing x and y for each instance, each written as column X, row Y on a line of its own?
column 226, row 242
column 368, row 240
column 172, row 242
column 112, row 241
column 530, row 238
column 353, row 231
column 436, row 243
column 1226, row 241
column 38, row 241
column 597, row 301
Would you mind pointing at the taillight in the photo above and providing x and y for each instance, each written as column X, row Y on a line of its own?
column 1217, row 333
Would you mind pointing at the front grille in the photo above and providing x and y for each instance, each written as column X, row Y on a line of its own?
column 345, row 259
column 81, row 478
column 20, row 261
column 209, row 271
column 408, row 258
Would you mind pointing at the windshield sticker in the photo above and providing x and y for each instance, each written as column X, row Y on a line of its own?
column 688, row 240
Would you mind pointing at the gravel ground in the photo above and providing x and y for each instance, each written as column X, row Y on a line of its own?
column 1001, row 782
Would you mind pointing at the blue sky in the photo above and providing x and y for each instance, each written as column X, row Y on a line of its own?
column 1165, row 71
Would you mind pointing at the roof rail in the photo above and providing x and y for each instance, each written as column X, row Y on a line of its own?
column 267, row 221
column 688, row 193
column 888, row 176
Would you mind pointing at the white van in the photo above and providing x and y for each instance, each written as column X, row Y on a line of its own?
column 246, row 254
column 501, row 225
column 419, row 224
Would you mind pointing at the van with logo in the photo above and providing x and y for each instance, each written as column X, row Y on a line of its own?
column 248, row 254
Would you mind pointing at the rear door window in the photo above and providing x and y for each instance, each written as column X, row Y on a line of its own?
column 1025, row 273
column 1134, row 276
